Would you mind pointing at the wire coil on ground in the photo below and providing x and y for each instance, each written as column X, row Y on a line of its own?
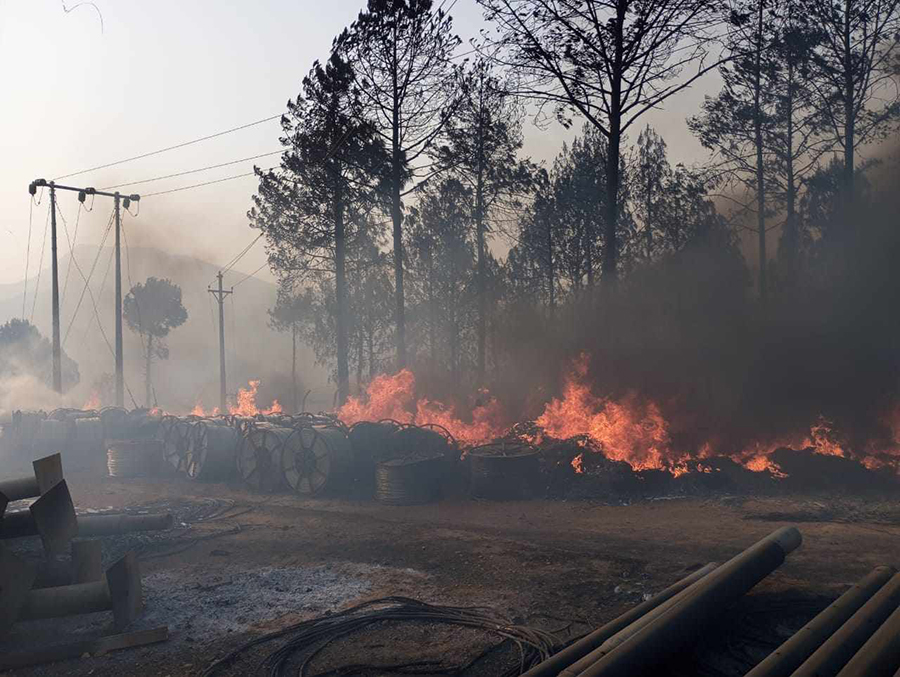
column 504, row 472
column 133, row 458
column 312, row 636
column 408, row 481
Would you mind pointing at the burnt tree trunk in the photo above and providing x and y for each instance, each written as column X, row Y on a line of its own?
column 479, row 234
column 849, row 117
column 295, row 399
column 340, row 289
column 609, row 268
column 758, row 141
column 147, row 381
column 397, row 217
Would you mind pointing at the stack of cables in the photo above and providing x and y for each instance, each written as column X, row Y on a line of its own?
column 311, row 637
column 134, row 458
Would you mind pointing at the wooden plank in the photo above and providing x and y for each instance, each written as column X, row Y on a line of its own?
column 99, row 646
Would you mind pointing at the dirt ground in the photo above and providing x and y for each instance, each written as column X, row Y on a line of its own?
column 545, row 563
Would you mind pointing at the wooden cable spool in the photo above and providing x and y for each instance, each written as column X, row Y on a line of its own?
column 259, row 456
column 314, row 459
column 211, row 451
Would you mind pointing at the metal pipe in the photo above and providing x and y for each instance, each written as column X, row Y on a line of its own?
column 20, row 488
column 880, row 655
column 790, row 655
column 87, row 564
column 676, row 627
column 562, row 659
column 21, row 523
column 118, row 591
column 47, row 472
column 66, row 600
column 834, row 654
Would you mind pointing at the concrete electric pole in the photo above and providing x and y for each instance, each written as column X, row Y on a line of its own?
column 57, row 348
column 220, row 295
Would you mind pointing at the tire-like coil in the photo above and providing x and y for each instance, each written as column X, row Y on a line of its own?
column 410, row 481
column 133, row 458
column 503, row 472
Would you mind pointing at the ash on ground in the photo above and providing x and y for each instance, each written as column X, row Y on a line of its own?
column 200, row 605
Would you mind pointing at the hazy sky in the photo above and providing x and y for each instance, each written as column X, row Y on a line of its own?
column 164, row 72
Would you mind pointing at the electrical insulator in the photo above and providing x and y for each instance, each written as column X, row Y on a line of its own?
column 81, row 196
column 126, row 202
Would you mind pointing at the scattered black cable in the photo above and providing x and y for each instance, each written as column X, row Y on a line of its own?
column 314, row 635
column 164, row 150
column 194, row 171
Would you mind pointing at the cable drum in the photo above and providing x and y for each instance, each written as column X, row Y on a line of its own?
column 259, row 456
column 53, row 437
column 504, row 472
column 87, row 444
column 113, row 419
column 174, row 433
column 408, row 481
column 211, row 451
column 133, row 458
column 316, row 459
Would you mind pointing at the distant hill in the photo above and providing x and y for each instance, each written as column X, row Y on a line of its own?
column 191, row 373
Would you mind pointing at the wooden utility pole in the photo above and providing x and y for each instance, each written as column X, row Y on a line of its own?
column 57, row 348
column 220, row 295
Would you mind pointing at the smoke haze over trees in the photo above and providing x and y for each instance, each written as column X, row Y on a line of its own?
column 407, row 227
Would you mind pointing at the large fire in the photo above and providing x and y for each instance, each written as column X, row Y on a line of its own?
column 245, row 406
column 631, row 428
column 394, row 397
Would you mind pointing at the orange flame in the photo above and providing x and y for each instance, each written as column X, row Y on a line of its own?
column 578, row 463
column 628, row 430
column 93, row 402
column 394, row 397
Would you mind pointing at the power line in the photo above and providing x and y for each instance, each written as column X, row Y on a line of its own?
column 112, row 253
column 27, row 253
column 164, row 150
column 194, row 171
column 87, row 281
column 71, row 242
column 37, row 284
column 247, row 277
column 241, row 255
column 205, row 183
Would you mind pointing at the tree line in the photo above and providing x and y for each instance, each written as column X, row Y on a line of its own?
column 403, row 177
